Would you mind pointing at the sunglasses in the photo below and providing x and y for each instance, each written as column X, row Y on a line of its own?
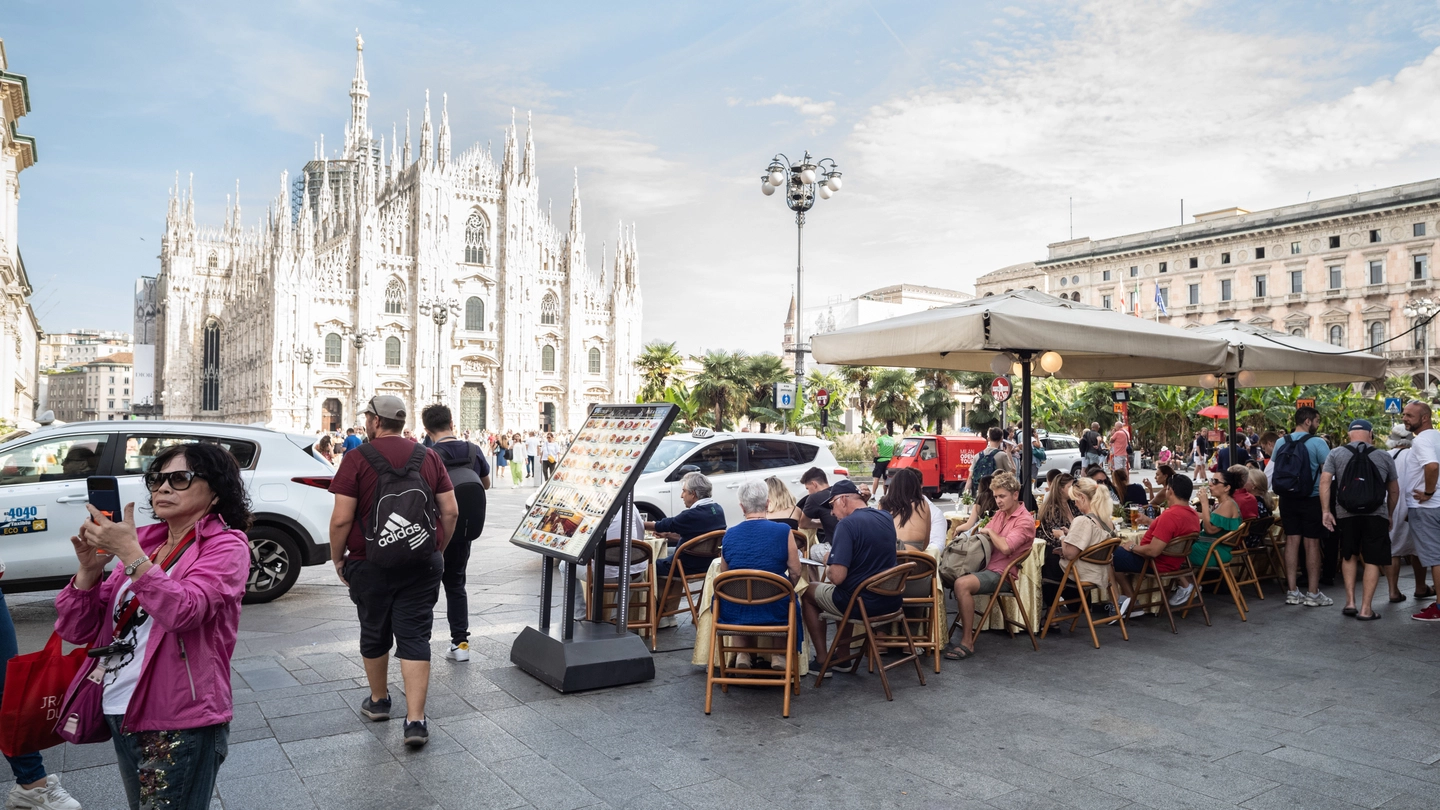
column 178, row 480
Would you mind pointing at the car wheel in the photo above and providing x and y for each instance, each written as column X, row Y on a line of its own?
column 274, row 564
column 1075, row 470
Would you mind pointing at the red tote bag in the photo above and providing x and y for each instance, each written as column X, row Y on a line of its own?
column 35, row 683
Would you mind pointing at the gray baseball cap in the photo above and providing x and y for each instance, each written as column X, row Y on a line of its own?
column 386, row 407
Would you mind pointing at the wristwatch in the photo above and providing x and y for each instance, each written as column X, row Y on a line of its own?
column 135, row 566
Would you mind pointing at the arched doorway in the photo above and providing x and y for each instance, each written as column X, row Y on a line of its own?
column 472, row 407
column 547, row 416
column 331, row 415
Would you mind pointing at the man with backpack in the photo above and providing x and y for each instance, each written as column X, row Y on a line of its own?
column 991, row 460
column 1366, row 489
column 470, row 475
column 1296, row 479
column 394, row 512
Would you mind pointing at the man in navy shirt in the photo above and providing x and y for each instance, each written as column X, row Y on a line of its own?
column 863, row 546
column 700, row 516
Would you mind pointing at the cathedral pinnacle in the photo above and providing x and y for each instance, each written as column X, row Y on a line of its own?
column 427, row 144
column 575, row 206
column 406, row 160
column 444, row 145
column 357, row 134
column 529, row 167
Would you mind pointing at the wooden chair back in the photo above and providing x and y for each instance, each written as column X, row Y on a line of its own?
column 1100, row 553
column 745, row 586
column 703, row 545
column 891, row 583
column 751, row 587
column 1180, row 546
column 610, row 554
column 679, row 584
column 1236, row 538
column 919, row 602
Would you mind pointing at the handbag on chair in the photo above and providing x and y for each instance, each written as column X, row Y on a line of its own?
column 966, row 554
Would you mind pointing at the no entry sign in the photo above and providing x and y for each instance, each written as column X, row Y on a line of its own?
column 822, row 398
column 1000, row 389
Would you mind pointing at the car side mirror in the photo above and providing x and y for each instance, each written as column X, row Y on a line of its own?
column 682, row 471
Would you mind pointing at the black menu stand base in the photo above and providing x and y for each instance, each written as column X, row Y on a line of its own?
column 596, row 656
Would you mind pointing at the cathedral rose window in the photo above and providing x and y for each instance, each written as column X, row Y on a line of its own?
column 550, row 310
column 394, row 297
column 476, row 238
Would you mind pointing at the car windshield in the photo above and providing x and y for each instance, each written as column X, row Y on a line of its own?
column 909, row 447
column 666, row 454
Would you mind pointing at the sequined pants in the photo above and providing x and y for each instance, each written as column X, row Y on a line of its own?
column 169, row 770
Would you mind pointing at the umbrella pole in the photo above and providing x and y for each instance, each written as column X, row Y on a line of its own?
column 1026, row 490
column 1230, row 403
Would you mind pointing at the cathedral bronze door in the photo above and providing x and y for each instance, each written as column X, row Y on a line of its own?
column 547, row 416
column 472, row 407
column 330, row 415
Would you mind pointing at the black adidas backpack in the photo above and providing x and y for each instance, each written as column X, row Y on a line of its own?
column 402, row 526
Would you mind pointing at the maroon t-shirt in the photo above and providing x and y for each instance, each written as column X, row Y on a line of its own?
column 357, row 479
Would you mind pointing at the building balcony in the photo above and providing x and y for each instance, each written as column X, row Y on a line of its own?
column 1407, row 355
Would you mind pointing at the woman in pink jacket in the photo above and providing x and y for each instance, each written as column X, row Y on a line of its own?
column 168, row 614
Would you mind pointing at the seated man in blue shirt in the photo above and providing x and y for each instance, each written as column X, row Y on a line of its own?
column 701, row 515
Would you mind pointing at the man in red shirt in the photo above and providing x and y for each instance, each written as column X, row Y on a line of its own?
column 1178, row 520
column 396, row 605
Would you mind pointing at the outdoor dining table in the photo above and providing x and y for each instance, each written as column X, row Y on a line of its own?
column 705, row 624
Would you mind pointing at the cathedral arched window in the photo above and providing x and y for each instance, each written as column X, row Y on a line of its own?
column 210, row 367
column 547, row 358
column 594, row 361
column 394, row 297
column 213, row 261
column 550, row 310
column 332, row 348
column 474, row 314
column 392, row 352
column 477, row 238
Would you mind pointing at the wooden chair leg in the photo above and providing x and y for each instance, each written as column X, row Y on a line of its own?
column 1115, row 605
column 914, row 653
column 1089, row 620
column 710, row 668
column 1024, row 616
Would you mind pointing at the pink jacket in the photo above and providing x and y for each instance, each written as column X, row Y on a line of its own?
column 185, row 680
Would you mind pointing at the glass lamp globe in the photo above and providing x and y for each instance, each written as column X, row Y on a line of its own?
column 826, row 193
column 1016, row 369
column 766, row 188
column 1209, row 381
column 777, row 177
column 807, row 175
column 1245, row 379
column 1001, row 363
column 1051, row 362
column 834, row 182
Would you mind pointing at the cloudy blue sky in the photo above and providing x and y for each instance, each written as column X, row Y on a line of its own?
column 963, row 128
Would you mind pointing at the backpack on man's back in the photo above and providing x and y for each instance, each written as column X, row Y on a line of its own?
column 469, row 491
column 983, row 465
column 1294, row 477
column 1362, row 489
column 401, row 528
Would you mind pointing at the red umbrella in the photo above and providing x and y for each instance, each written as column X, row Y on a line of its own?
column 1215, row 412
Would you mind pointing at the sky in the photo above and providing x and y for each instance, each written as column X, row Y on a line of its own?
column 971, row 135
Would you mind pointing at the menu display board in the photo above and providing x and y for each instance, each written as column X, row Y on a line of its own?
column 576, row 505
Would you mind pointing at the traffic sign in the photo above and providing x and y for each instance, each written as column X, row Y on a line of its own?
column 1392, row 405
column 1000, row 389
column 1306, row 402
column 784, row 396
column 822, row 399
column 1120, row 395
column 1119, row 408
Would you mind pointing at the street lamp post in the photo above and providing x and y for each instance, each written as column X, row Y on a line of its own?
column 1423, row 309
column 307, row 356
column 439, row 308
column 804, row 180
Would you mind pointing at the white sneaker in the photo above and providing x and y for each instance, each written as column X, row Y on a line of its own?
column 1125, row 606
column 49, row 796
column 459, row 652
column 1294, row 598
column 742, row 661
column 777, row 663
column 1318, row 600
column 1182, row 595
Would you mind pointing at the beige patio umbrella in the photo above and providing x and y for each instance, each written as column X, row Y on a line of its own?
column 1089, row 343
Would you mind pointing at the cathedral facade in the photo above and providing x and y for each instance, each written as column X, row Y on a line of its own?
column 431, row 276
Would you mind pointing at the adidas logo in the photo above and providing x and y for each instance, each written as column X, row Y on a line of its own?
column 397, row 528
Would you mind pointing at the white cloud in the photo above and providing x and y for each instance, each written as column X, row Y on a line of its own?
column 818, row 113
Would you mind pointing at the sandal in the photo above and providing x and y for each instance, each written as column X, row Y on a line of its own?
column 1400, row 598
column 1372, row 617
column 1350, row 612
column 955, row 652
column 1429, row 592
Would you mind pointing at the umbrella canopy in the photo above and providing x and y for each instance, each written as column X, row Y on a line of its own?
column 1095, row 343
column 1214, row 412
column 1277, row 359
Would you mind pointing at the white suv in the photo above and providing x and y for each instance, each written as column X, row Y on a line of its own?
column 43, row 495
column 728, row 460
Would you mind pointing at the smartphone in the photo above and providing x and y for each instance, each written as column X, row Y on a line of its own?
column 104, row 492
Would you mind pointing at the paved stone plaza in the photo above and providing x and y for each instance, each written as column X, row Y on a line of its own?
column 1299, row 708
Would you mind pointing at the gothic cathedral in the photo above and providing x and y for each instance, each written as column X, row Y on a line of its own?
column 431, row 277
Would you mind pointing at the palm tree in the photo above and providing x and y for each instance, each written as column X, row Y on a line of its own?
column 984, row 413
column 659, row 367
column 862, row 381
column 936, row 402
column 894, row 396
column 720, row 386
column 762, row 371
column 689, row 416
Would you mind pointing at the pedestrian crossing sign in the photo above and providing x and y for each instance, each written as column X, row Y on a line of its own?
column 1392, row 406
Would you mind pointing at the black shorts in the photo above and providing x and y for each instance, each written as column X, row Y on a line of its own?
column 396, row 606
column 1301, row 516
column 1365, row 535
column 881, row 467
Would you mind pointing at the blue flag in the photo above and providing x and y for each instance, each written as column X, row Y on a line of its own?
column 1160, row 300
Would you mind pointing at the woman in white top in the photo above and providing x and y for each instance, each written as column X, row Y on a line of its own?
column 1092, row 526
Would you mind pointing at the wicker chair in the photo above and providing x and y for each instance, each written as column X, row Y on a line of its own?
column 750, row 587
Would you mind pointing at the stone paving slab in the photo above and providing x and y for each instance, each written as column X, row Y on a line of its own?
column 1296, row 708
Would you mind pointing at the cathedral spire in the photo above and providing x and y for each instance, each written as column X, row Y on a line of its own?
column 237, row 205
column 444, row 150
column 575, row 207
column 529, row 169
column 510, row 164
column 406, row 161
column 358, row 133
column 427, row 143
column 190, row 204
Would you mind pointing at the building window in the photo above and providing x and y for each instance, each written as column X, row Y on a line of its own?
column 1164, row 267
column 1297, row 281
column 1377, row 334
column 1194, row 262
column 1064, row 281
column 594, row 361
column 1422, row 267
column 110, row 404
column 1334, row 271
column 1334, row 242
column 474, row 314
column 1337, row 335
column 1294, row 248
column 547, row 358
column 1375, row 235
column 1224, row 258
column 210, row 368
column 550, row 310
column 1105, row 275
column 476, row 238
column 1135, row 270
column 213, row 260
column 1297, row 332
column 1225, row 289
column 1194, row 294
column 1377, row 272
column 1418, row 229
column 112, row 390
column 1259, row 252
column 394, row 297
column 1164, row 293
column 1108, row 302
column 392, row 352
column 332, row 348
column 1259, row 286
